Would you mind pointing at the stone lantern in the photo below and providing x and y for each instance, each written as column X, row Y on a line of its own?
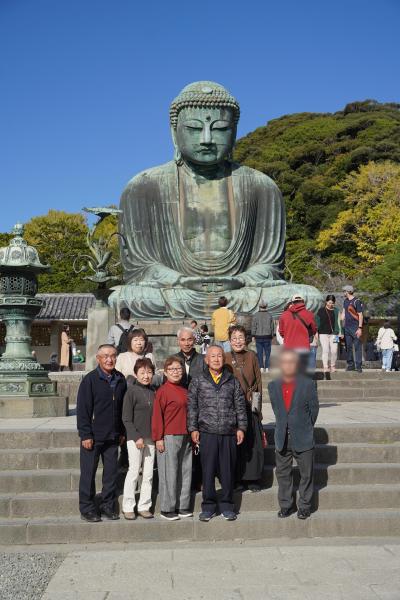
column 25, row 387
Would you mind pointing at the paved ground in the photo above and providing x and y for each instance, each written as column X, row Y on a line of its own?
column 331, row 413
column 336, row 570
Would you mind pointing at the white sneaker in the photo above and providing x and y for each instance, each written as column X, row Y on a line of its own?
column 266, row 370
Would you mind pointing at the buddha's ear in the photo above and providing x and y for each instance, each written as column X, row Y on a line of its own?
column 177, row 154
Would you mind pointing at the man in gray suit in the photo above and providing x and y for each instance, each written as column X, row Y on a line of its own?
column 294, row 401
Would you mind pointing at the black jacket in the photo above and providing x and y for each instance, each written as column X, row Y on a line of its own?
column 137, row 411
column 99, row 406
column 301, row 417
column 216, row 408
column 196, row 367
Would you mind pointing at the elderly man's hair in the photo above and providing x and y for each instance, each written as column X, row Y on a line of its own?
column 105, row 346
column 185, row 330
column 289, row 352
column 211, row 346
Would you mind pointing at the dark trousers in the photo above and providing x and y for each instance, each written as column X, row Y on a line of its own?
column 263, row 347
column 218, row 459
column 353, row 343
column 89, row 459
column 284, row 475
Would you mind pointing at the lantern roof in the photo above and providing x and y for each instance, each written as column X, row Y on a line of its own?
column 19, row 255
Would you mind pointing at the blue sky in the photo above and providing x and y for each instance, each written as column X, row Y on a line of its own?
column 85, row 85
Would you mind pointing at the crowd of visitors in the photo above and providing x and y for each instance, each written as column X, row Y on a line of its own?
column 200, row 418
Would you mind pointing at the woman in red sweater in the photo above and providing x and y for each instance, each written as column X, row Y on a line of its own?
column 174, row 456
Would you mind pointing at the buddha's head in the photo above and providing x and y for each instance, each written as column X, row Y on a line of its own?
column 203, row 122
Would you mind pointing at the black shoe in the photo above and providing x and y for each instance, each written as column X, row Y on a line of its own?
column 348, row 369
column 303, row 514
column 206, row 516
column 91, row 517
column 254, row 487
column 169, row 516
column 286, row 512
column 184, row 514
column 359, row 370
column 109, row 514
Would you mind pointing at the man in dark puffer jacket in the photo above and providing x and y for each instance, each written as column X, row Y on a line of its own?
column 217, row 421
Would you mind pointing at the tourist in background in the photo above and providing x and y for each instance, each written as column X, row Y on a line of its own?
column 297, row 328
column 136, row 415
column 101, row 431
column 352, row 316
column 196, row 332
column 206, row 340
column 222, row 319
column 118, row 334
column 217, row 422
column 386, row 342
column 174, row 448
column 329, row 330
column 262, row 330
column 294, row 401
column 244, row 365
column 312, row 358
column 193, row 361
column 137, row 343
column 66, row 349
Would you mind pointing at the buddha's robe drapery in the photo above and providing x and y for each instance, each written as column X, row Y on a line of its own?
column 155, row 256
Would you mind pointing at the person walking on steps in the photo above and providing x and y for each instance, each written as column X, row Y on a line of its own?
column 330, row 331
column 386, row 342
column 352, row 316
column 294, row 401
column 262, row 330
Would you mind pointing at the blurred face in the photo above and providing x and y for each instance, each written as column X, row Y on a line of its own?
column 215, row 359
column 106, row 359
column 205, row 136
column 288, row 364
column 186, row 342
column 144, row 375
column 238, row 341
column 138, row 344
column 174, row 372
column 330, row 304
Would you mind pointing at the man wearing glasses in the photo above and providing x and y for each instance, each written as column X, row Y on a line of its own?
column 101, row 431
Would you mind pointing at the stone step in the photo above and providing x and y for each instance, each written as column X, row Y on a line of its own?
column 359, row 432
column 249, row 526
column 68, row 458
column 345, row 376
column 63, row 480
column 63, row 504
column 357, row 394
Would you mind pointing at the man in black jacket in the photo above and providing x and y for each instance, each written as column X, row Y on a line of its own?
column 101, row 431
column 193, row 361
column 294, row 401
column 217, row 421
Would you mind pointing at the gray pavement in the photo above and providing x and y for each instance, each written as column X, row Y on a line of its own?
column 233, row 571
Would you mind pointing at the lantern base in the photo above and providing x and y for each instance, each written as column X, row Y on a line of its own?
column 27, row 407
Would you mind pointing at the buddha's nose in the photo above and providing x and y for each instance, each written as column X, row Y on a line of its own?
column 206, row 137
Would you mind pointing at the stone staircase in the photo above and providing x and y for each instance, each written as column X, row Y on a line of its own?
column 357, row 493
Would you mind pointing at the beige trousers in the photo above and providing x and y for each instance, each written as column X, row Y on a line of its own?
column 139, row 460
column 329, row 349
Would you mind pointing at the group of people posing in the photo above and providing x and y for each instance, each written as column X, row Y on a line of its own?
column 198, row 421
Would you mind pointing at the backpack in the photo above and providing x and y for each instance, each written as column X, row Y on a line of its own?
column 123, row 340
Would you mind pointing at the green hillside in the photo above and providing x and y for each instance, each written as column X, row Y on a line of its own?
column 309, row 155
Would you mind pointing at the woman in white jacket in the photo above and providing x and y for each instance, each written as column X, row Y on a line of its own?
column 385, row 343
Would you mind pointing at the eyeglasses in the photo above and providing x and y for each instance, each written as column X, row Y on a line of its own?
column 108, row 356
column 174, row 369
column 238, row 339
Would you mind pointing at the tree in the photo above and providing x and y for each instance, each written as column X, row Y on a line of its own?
column 59, row 236
column 369, row 227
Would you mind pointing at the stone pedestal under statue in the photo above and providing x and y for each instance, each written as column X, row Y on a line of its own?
column 25, row 388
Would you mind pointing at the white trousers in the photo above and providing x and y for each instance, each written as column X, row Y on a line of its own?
column 139, row 459
column 329, row 349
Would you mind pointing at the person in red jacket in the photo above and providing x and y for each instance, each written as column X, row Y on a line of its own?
column 297, row 327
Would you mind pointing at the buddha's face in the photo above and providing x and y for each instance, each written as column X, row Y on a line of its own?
column 205, row 136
